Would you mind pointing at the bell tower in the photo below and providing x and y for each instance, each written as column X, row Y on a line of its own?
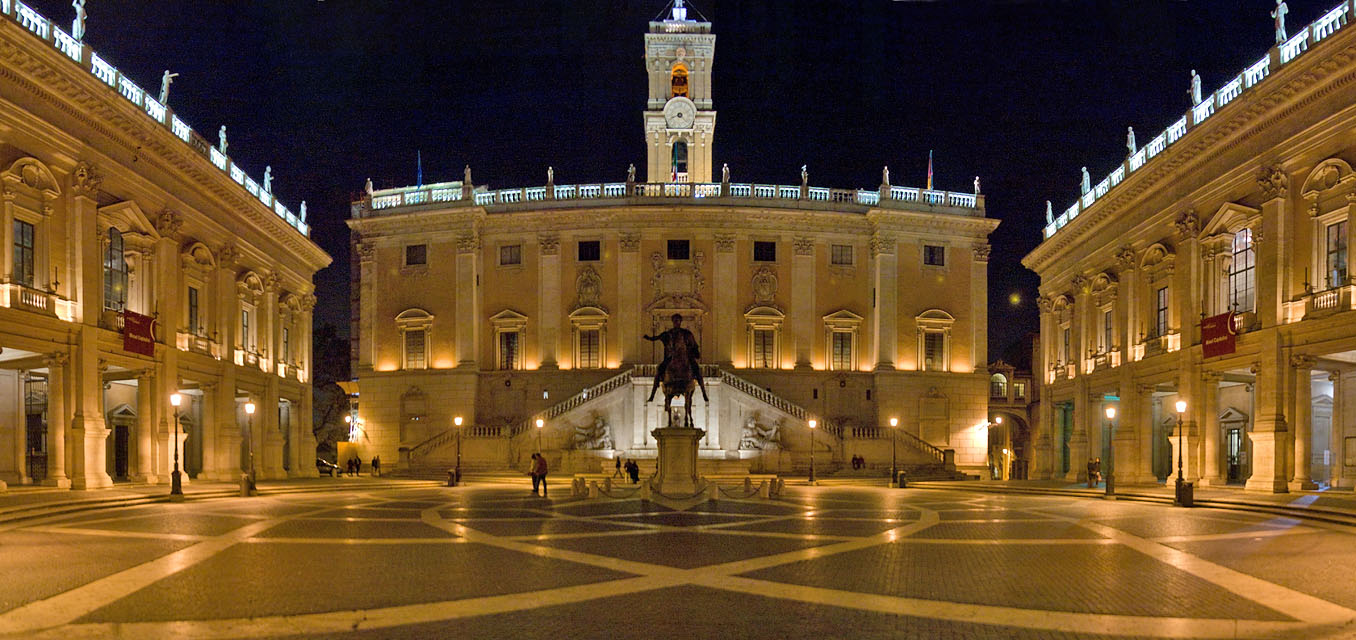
column 680, row 124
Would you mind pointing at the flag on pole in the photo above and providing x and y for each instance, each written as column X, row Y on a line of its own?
column 419, row 161
column 929, row 169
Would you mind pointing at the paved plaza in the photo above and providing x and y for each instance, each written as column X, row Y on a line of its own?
column 494, row 561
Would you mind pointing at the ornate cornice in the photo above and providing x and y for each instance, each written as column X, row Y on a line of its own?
column 1126, row 258
column 982, row 252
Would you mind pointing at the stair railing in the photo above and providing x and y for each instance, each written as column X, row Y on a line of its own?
column 575, row 401
column 923, row 445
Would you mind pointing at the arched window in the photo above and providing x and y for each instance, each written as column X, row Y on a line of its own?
column 115, row 272
column 680, row 157
column 1243, row 272
column 678, row 81
column 998, row 386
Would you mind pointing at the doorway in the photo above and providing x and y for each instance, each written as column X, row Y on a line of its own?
column 121, row 440
column 1233, row 455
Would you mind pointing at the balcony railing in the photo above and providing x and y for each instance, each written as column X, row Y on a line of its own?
column 1103, row 360
column 1321, row 304
column 1158, row 345
column 198, row 343
column 1244, row 322
column 18, row 296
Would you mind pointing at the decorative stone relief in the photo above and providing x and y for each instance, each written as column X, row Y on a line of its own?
column 588, row 286
column 725, row 243
column 982, row 252
column 760, row 436
column 168, row 223
column 227, row 255
column 764, row 285
column 550, row 244
column 1302, row 361
column 630, row 242
column 1188, row 225
column 1079, row 283
column 367, row 252
column 469, row 243
column 272, row 283
column 803, row 246
column 85, row 180
column 1273, row 182
column 592, row 436
column 1125, row 258
column 1045, row 303
column 882, row 244
column 677, row 286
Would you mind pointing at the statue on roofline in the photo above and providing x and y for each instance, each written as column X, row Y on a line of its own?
column 221, row 139
column 1087, row 181
column 1279, row 15
column 1130, row 140
column 78, row 26
column 1049, row 213
column 976, row 185
column 1195, row 88
column 165, row 81
column 804, row 176
column 268, row 179
column 631, row 172
column 725, row 172
column 885, row 174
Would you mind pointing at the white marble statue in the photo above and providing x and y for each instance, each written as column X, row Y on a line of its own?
column 885, row 175
column 1195, row 88
column 1049, row 213
column 221, row 139
column 757, row 436
column 550, row 175
column 1087, row 181
column 78, row 26
column 303, row 211
column 1279, row 15
column 976, row 185
column 466, row 176
column 804, row 176
column 367, row 188
column 631, row 172
column 725, row 172
column 268, row 179
column 1130, row 140
column 165, row 81
column 592, row 436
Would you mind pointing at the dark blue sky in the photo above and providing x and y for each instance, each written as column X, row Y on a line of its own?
column 1021, row 93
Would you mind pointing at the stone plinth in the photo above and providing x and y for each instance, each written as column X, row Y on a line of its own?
column 677, row 460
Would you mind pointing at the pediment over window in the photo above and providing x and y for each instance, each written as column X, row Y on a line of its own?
column 764, row 314
column 508, row 318
column 843, row 319
column 33, row 174
column 588, row 314
column 1229, row 220
column 1231, row 415
column 1157, row 255
column 1329, row 174
column 128, row 218
column 935, row 318
column 249, row 286
column 414, row 318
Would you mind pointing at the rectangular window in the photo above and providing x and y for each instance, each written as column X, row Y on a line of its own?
column 115, row 272
column 510, row 254
column 286, row 345
column 590, row 251
column 841, row 255
column 764, row 344
column 415, row 349
column 416, row 254
column 23, row 253
column 764, row 251
column 841, row 359
column 246, row 340
column 679, row 249
column 934, row 255
column 1108, row 325
column 508, row 350
column 1067, row 345
column 589, row 343
column 1243, row 272
column 1337, row 254
column 1161, row 312
column 934, row 344
column 1019, row 389
column 194, row 327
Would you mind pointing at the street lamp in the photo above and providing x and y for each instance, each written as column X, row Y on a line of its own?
column 457, row 421
column 894, row 473
column 813, row 424
column 248, row 479
column 540, row 423
column 1111, row 450
column 176, row 478
column 1181, row 450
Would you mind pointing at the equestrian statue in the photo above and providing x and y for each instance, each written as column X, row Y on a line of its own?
column 679, row 372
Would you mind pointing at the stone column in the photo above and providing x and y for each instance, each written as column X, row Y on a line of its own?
column 979, row 306
column 727, row 322
column 1078, row 440
column 1268, row 434
column 57, row 419
column 269, row 442
column 1338, row 426
column 884, row 320
column 468, row 300
column 89, row 434
column 803, row 300
column 1042, row 430
column 1125, row 441
column 1303, row 480
column 548, row 299
column 1144, row 433
column 1209, row 415
column 146, row 428
column 168, row 301
column 367, row 303
column 628, row 298
column 7, row 228
column 209, row 427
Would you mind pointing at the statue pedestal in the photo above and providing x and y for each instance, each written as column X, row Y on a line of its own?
column 677, row 474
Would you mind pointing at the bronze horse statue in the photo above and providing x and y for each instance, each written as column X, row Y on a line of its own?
column 679, row 381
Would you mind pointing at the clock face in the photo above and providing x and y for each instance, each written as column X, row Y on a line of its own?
column 680, row 113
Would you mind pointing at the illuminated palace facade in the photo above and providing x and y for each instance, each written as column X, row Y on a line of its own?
column 116, row 214
column 844, row 306
column 1212, row 267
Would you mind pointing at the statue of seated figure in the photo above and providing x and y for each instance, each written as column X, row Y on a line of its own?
column 592, row 436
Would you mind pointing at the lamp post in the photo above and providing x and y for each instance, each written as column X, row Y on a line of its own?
column 1111, row 450
column 894, row 472
column 248, row 479
column 1181, row 452
column 813, row 424
column 540, row 423
column 176, row 478
column 457, row 421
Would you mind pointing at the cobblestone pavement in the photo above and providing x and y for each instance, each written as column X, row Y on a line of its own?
column 821, row 562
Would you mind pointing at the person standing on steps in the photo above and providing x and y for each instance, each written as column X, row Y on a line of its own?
column 618, row 473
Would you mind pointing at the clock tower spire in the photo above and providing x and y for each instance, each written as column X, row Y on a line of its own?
column 680, row 124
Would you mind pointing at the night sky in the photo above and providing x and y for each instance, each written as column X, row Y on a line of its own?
column 1020, row 93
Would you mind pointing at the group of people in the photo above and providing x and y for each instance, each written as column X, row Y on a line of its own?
column 858, row 462
column 355, row 466
column 631, row 468
column 1094, row 472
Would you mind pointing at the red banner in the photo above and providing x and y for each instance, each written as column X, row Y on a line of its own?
column 138, row 333
column 1217, row 335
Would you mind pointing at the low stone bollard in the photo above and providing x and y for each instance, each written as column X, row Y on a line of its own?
column 765, row 489
column 712, row 491
column 593, row 489
column 451, row 477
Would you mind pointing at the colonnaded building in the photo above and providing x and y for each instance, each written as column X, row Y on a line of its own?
column 139, row 261
column 1212, row 267
column 844, row 306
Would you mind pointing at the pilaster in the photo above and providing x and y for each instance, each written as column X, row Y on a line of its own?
column 57, row 419
column 726, row 323
column 548, row 299
column 884, row 319
column 628, row 297
column 979, row 305
column 468, row 300
column 1078, row 440
column 270, row 439
column 803, row 300
column 367, row 303
column 1270, row 243
column 1144, row 435
column 88, row 431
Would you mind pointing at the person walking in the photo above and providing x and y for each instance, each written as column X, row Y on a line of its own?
column 633, row 469
column 539, row 473
column 376, row 466
column 1092, row 474
column 1097, row 470
column 618, row 473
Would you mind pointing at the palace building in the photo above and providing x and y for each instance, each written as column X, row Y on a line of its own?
column 139, row 262
column 505, row 307
column 1212, row 267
